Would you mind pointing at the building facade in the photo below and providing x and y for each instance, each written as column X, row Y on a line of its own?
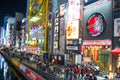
column 38, row 27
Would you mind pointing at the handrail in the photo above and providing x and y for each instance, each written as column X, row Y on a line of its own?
column 15, row 68
column 47, row 76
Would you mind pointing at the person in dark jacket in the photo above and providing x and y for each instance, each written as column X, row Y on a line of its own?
column 94, row 77
column 71, row 74
column 86, row 77
column 67, row 70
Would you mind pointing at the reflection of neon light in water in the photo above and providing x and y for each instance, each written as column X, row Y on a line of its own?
column 5, row 69
column 2, row 61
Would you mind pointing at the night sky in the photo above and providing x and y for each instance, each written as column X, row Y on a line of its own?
column 9, row 7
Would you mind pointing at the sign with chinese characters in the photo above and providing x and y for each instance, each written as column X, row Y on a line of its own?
column 73, row 9
column 95, row 24
column 62, row 8
column 56, row 29
column 97, row 42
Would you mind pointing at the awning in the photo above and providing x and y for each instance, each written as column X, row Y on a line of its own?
column 115, row 51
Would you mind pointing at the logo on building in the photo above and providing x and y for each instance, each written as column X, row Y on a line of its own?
column 95, row 24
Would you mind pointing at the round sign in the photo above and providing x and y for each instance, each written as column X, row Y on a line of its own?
column 95, row 24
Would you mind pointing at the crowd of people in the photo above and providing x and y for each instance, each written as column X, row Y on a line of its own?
column 69, row 72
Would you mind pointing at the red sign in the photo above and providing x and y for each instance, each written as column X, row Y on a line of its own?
column 32, row 75
column 95, row 24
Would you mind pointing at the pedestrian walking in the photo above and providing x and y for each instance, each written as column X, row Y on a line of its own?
column 94, row 77
column 67, row 70
column 76, row 72
column 86, row 77
column 71, row 74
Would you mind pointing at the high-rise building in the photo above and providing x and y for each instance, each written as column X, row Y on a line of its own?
column 9, row 31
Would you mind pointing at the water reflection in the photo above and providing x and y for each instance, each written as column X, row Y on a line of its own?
column 7, row 72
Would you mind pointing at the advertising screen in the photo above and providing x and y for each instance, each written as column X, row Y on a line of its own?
column 73, row 9
column 72, row 29
column 37, row 32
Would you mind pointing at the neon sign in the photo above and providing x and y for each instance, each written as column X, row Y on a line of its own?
column 95, row 24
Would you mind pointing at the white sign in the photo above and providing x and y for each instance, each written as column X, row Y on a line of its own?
column 55, row 45
column 72, row 47
column 78, row 59
column 97, row 42
column 72, row 29
column 73, row 9
column 62, row 7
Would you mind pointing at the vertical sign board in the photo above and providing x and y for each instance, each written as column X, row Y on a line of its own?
column 97, row 13
column 59, row 18
column 72, row 27
column 62, row 8
column 56, row 29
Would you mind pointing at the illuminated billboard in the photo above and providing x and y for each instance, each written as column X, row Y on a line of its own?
column 72, row 29
column 73, row 9
column 97, row 19
column 36, row 32
column 56, row 29
column 95, row 24
column 35, row 6
column 62, row 9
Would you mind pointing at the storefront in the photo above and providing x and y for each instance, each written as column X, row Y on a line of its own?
column 97, row 33
column 97, row 51
column 116, row 52
column 31, row 46
column 36, row 42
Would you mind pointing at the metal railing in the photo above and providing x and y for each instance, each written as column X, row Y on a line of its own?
column 44, row 74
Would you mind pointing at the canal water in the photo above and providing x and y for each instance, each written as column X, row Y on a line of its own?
column 7, row 72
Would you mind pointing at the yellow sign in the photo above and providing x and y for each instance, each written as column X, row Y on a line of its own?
column 33, row 42
column 40, row 1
